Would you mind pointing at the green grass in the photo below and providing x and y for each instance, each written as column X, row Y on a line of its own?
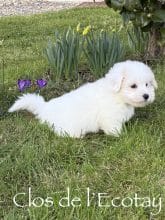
column 31, row 155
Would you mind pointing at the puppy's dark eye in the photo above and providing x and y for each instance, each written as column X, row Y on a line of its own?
column 146, row 84
column 134, row 86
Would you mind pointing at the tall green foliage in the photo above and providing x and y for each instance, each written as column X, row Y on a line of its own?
column 64, row 54
column 138, row 41
column 102, row 50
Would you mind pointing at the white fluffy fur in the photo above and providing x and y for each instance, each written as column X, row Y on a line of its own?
column 102, row 105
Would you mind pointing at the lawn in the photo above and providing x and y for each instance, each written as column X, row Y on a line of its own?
column 32, row 156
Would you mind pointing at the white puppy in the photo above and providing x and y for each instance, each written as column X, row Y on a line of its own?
column 102, row 105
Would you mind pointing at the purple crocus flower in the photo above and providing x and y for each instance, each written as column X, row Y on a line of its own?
column 41, row 83
column 23, row 84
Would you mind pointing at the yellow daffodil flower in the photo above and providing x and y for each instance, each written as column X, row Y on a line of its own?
column 86, row 30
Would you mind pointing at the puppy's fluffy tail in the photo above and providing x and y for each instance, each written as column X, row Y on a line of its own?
column 30, row 102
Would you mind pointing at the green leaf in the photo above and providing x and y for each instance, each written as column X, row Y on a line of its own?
column 132, row 5
column 117, row 4
column 159, row 16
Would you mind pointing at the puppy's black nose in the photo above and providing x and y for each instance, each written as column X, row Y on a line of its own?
column 145, row 96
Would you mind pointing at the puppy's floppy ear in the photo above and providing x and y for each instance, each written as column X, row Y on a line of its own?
column 154, row 83
column 115, row 77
